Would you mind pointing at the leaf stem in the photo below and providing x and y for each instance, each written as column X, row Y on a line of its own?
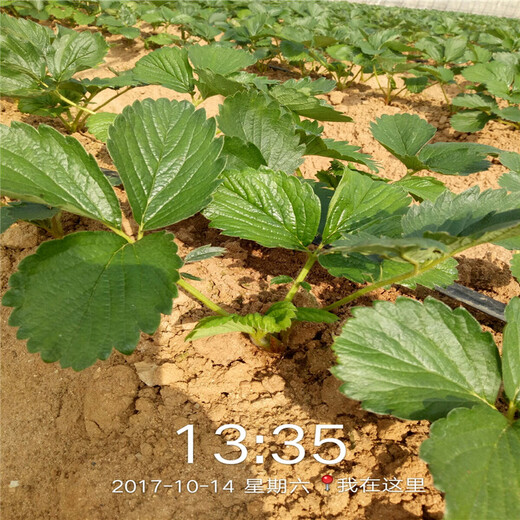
column 120, row 93
column 511, row 410
column 183, row 284
column 311, row 260
column 120, row 233
column 71, row 103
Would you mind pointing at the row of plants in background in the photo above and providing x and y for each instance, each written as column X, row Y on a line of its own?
column 346, row 43
column 413, row 360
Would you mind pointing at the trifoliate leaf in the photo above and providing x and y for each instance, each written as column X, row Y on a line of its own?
column 203, row 253
column 95, row 288
column 403, row 135
column 362, row 268
column 99, row 123
column 470, row 217
column 416, row 360
column 454, row 158
column 475, row 101
column 277, row 318
column 316, row 145
column 511, row 350
column 256, row 119
column 167, row 157
column 315, row 315
column 271, row 208
column 74, row 52
column 473, row 456
column 422, row 188
column 219, row 59
column 305, row 104
column 168, row 67
column 359, row 201
column 281, row 279
column 58, row 172
column 470, row 120
column 409, row 249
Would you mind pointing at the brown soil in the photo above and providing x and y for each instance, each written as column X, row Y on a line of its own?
column 68, row 436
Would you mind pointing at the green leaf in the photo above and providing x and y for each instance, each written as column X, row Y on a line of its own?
column 128, row 32
column 473, row 456
column 168, row 67
column 281, row 279
column 167, row 157
column 74, row 52
column 470, row 120
column 220, row 60
column 22, row 67
column 123, row 79
column 455, row 47
column 256, row 119
column 422, row 188
column 508, row 113
column 82, row 18
column 46, row 167
column 212, row 84
column 468, row 218
column 46, row 105
column 240, row 154
column 362, row 268
column 359, row 201
column 408, row 249
column 271, row 208
column 416, row 84
column 511, row 349
column 515, row 266
column 203, row 253
column 27, row 211
column 454, row 158
column 39, row 35
column 99, row 123
column 510, row 181
column 510, row 160
column 403, row 135
column 162, row 39
column 188, row 276
column 96, row 288
column 304, row 103
column 316, row 145
column 315, row 315
column 278, row 317
column 474, row 101
column 416, row 360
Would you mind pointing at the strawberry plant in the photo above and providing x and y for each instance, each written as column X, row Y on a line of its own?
column 365, row 229
column 407, row 137
column 38, row 65
column 425, row 361
column 493, row 81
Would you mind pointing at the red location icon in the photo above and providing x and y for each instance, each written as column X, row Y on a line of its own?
column 327, row 480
